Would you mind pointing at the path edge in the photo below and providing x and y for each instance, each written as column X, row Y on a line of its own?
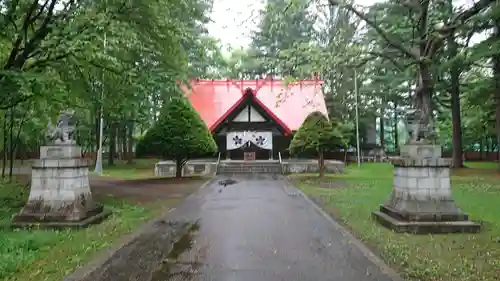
column 100, row 258
column 369, row 254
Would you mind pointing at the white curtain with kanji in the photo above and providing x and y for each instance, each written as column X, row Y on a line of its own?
column 236, row 140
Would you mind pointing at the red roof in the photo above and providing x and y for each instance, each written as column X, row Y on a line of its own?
column 289, row 105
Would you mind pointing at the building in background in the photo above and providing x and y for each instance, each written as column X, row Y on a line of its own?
column 254, row 119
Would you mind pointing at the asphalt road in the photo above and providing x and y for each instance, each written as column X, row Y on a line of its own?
column 259, row 230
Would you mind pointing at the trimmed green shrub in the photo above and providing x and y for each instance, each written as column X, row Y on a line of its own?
column 316, row 135
column 179, row 135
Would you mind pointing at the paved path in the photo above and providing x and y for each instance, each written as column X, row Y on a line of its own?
column 257, row 230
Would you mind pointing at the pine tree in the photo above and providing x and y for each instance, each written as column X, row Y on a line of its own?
column 316, row 135
column 179, row 135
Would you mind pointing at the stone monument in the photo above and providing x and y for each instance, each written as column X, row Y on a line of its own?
column 421, row 199
column 60, row 193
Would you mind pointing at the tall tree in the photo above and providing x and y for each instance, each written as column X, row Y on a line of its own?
column 284, row 35
column 118, row 58
column 431, row 31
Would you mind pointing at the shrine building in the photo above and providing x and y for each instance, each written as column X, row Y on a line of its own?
column 254, row 119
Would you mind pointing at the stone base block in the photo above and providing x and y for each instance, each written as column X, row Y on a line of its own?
column 446, row 214
column 68, row 163
column 60, row 152
column 426, row 227
column 421, row 150
column 422, row 193
column 69, row 211
column 28, row 220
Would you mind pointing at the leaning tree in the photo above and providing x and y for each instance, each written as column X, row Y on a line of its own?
column 421, row 52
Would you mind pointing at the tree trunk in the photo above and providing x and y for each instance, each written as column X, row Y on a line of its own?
column 112, row 145
column 179, row 163
column 155, row 108
column 423, row 102
column 481, row 149
column 119, row 136
column 124, row 141
column 17, row 144
column 130, row 135
column 496, row 80
column 382, row 128
column 321, row 164
column 4, row 160
column 396, row 132
column 97, row 132
column 455, row 105
column 11, row 143
column 424, row 92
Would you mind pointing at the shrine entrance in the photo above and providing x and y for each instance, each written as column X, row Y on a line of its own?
column 249, row 146
column 248, row 130
column 248, row 156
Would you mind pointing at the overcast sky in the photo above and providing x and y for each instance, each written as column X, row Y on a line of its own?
column 233, row 20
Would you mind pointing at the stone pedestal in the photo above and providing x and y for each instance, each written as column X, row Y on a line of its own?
column 60, row 193
column 421, row 199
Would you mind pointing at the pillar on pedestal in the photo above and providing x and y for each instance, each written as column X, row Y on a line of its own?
column 60, row 193
column 421, row 199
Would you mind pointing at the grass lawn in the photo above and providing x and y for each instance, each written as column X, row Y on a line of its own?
column 141, row 169
column 482, row 165
column 51, row 255
column 39, row 255
column 451, row 257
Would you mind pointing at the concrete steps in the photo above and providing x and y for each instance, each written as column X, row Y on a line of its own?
column 249, row 167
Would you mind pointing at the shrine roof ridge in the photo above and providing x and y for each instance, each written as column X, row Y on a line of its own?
column 267, row 80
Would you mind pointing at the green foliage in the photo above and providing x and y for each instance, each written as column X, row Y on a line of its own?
column 207, row 60
column 345, row 131
column 316, row 135
column 125, row 57
column 380, row 50
column 244, row 64
column 282, row 43
column 179, row 134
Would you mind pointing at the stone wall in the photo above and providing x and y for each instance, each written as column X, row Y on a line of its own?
column 295, row 166
column 208, row 167
column 191, row 168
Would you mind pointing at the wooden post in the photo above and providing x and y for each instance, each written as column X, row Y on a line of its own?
column 272, row 150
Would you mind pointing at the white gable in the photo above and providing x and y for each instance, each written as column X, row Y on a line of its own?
column 242, row 116
column 254, row 115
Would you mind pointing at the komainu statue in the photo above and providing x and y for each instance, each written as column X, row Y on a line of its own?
column 64, row 130
column 418, row 131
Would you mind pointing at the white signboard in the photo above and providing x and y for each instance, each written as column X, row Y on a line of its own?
column 236, row 140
